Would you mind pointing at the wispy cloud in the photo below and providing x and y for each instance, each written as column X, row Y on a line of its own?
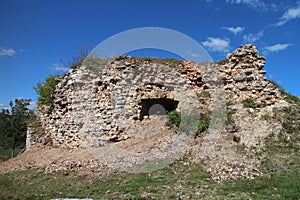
column 194, row 55
column 217, row 44
column 33, row 105
column 277, row 47
column 7, row 51
column 234, row 30
column 251, row 38
column 258, row 5
column 288, row 15
column 60, row 67
column 2, row 105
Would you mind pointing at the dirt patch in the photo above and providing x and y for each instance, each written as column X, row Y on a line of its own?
column 54, row 159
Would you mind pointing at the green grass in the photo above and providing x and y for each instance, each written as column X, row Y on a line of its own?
column 229, row 116
column 179, row 180
column 278, row 186
column 171, row 182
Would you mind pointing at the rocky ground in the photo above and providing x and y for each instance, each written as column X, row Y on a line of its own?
column 54, row 159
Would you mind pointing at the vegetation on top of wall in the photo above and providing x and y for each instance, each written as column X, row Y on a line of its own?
column 222, row 62
column 45, row 89
column 78, row 60
column 287, row 96
column 290, row 98
column 172, row 62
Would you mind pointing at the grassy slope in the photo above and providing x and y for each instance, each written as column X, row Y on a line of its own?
column 178, row 180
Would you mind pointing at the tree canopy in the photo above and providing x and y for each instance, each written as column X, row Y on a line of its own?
column 13, row 124
column 45, row 90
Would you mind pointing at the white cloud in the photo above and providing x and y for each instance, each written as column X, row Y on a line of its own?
column 7, row 52
column 217, row 44
column 2, row 105
column 234, row 30
column 60, row 67
column 194, row 55
column 254, row 4
column 6, row 108
column 288, row 15
column 33, row 105
column 277, row 47
column 251, row 38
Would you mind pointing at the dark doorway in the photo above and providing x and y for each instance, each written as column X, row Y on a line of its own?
column 157, row 106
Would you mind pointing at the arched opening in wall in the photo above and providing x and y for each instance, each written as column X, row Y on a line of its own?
column 159, row 106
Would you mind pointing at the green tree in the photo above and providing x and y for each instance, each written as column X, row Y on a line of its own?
column 13, row 124
column 45, row 90
column 5, row 128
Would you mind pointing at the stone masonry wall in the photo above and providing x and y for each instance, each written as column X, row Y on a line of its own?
column 96, row 103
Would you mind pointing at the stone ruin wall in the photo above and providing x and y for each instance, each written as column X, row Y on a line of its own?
column 96, row 103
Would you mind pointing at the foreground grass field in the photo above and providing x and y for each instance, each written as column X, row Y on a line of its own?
column 178, row 181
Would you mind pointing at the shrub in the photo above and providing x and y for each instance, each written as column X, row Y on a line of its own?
column 79, row 59
column 203, row 122
column 191, row 123
column 45, row 91
column 174, row 118
column 249, row 103
column 291, row 122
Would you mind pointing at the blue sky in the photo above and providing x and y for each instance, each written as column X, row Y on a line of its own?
column 38, row 35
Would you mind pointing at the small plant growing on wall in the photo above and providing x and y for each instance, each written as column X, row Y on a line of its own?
column 174, row 118
column 249, row 103
column 190, row 123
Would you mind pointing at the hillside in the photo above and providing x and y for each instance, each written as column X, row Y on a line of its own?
column 117, row 118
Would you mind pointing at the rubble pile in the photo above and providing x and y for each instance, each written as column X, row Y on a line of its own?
column 84, row 166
